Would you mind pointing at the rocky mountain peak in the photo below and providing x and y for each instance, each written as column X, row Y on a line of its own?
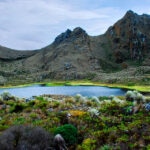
column 63, row 36
column 131, row 17
column 129, row 38
column 68, row 35
column 130, row 13
column 79, row 31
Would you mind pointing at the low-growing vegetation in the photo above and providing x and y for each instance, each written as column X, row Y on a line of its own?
column 85, row 123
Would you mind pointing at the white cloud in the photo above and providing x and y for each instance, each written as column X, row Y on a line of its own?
column 32, row 24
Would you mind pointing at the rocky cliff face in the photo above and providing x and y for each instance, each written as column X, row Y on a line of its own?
column 129, row 37
column 76, row 55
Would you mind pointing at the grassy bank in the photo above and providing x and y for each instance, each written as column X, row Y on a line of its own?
column 138, row 87
column 141, row 88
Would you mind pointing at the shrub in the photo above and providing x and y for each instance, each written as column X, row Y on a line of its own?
column 93, row 112
column 79, row 97
column 63, row 117
column 6, row 96
column 77, row 113
column 123, row 138
column 95, row 99
column 134, row 96
column 68, row 132
column 69, row 100
column 101, row 98
column 130, row 96
column 117, row 100
column 18, row 121
column 17, row 107
column 88, row 144
column 33, row 116
column 140, row 98
column 31, row 103
column 55, row 104
column 89, row 103
column 105, row 147
column 25, row 137
column 41, row 104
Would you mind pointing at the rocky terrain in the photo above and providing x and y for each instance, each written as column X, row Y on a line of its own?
column 122, row 53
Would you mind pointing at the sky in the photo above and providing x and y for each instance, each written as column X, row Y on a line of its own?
column 33, row 24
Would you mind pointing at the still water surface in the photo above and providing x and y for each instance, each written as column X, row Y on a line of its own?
column 35, row 90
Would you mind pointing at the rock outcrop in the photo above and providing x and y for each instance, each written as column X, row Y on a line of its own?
column 129, row 37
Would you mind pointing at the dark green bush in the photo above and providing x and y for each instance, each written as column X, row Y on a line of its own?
column 18, row 107
column 31, row 103
column 68, row 132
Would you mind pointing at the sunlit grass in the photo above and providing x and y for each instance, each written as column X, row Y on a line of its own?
column 138, row 87
column 141, row 88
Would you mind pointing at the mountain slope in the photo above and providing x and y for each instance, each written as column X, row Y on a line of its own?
column 76, row 55
column 10, row 54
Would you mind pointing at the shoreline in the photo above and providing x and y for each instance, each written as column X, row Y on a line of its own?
column 141, row 88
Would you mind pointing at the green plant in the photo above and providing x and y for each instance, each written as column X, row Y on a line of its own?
column 56, row 104
column 6, row 96
column 63, row 117
column 3, row 127
column 40, row 98
column 42, row 104
column 93, row 112
column 68, row 132
column 101, row 98
column 87, row 144
column 17, row 107
column 20, row 120
column 105, row 147
column 148, row 147
column 95, row 100
column 123, row 138
column 31, row 103
column 33, row 116
column 130, row 96
column 135, row 96
column 80, row 98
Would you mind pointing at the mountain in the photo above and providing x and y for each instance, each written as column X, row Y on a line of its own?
column 122, row 52
column 129, row 37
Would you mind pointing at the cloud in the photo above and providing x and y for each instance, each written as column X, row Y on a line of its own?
column 32, row 24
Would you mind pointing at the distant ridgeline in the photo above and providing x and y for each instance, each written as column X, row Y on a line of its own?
column 76, row 55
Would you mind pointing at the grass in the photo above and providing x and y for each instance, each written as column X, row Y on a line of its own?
column 140, row 88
